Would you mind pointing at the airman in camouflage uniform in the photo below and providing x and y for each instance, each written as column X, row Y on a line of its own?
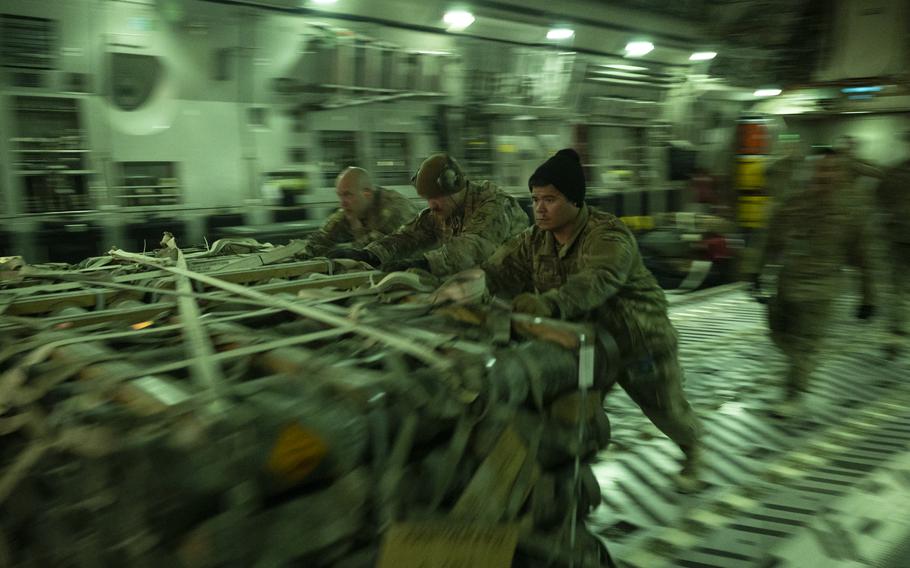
column 894, row 200
column 366, row 214
column 806, row 237
column 856, row 198
column 464, row 223
column 581, row 264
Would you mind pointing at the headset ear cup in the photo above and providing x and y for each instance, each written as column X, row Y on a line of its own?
column 451, row 177
column 448, row 180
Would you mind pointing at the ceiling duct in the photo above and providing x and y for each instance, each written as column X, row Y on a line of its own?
column 868, row 39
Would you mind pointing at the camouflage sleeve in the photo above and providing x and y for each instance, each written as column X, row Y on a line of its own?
column 398, row 211
column 419, row 234
column 866, row 169
column 607, row 258
column 776, row 235
column 509, row 270
column 335, row 231
column 487, row 227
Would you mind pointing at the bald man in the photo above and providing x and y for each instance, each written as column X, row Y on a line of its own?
column 464, row 222
column 367, row 213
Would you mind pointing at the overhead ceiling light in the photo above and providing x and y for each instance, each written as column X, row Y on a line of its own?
column 638, row 48
column 767, row 92
column 560, row 33
column 323, row 2
column 622, row 67
column 458, row 20
column 703, row 56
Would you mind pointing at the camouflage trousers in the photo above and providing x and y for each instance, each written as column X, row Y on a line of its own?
column 899, row 275
column 798, row 329
column 859, row 255
column 656, row 386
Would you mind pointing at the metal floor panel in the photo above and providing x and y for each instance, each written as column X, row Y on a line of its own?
column 776, row 488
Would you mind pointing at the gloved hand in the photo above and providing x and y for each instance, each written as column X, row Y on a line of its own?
column 401, row 265
column 533, row 304
column 865, row 311
column 355, row 254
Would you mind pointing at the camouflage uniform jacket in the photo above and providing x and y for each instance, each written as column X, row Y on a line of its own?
column 808, row 237
column 893, row 196
column 855, row 193
column 388, row 211
column 597, row 276
column 485, row 219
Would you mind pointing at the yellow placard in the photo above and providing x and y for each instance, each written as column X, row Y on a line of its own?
column 445, row 544
column 638, row 223
column 750, row 172
column 296, row 453
column 753, row 211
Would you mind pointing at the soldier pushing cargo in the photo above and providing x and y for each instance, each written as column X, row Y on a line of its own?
column 581, row 264
column 463, row 224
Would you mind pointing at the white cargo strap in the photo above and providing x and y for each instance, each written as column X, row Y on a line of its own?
column 586, row 343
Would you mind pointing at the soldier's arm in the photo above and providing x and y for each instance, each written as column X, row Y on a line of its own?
column 487, row 228
column 409, row 239
column 867, row 169
column 398, row 212
column 509, row 271
column 607, row 258
column 333, row 232
column 776, row 236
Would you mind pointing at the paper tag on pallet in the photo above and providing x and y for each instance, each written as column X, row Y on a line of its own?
column 449, row 544
column 586, row 362
column 487, row 495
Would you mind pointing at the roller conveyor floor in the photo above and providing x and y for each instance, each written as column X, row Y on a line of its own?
column 830, row 487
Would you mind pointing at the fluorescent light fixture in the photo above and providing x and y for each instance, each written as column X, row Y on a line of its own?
column 855, row 90
column 560, row 33
column 638, row 48
column 703, row 56
column 856, row 112
column 766, row 92
column 458, row 20
column 323, row 2
column 622, row 67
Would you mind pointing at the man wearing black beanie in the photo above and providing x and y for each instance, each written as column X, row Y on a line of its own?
column 581, row 264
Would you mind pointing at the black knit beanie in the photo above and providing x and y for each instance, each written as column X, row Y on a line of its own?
column 563, row 170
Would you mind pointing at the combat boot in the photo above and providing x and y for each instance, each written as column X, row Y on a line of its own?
column 789, row 407
column 688, row 480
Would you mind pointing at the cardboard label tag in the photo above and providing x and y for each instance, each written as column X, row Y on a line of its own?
column 448, row 544
column 487, row 494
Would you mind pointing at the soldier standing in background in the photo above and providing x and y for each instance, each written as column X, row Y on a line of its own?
column 367, row 213
column 858, row 200
column 463, row 224
column 785, row 172
column 581, row 264
column 806, row 237
column 894, row 201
